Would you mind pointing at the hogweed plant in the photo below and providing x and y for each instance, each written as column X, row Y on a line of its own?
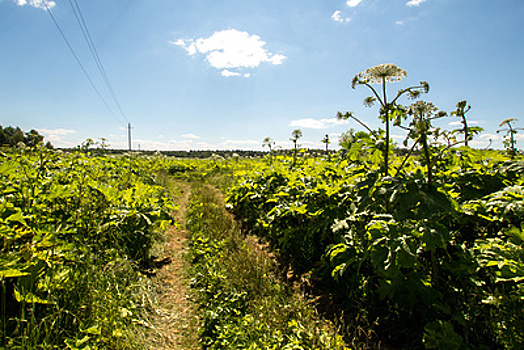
column 509, row 139
column 468, row 131
column 434, row 142
column 326, row 141
column 390, row 111
column 420, row 130
column 295, row 136
column 268, row 141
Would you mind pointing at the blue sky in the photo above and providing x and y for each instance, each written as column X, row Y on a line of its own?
column 225, row 74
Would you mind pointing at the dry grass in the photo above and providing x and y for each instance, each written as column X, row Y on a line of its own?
column 174, row 321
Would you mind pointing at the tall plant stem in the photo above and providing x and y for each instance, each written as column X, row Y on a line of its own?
column 406, row 158
column 386, row 116
column 295, row 154
column 428, row 159
column 3, row 311
column 434, row 267
column 386, row 148
column 466, row 130
column 513, row 150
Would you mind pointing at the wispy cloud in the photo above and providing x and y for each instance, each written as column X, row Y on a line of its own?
column 228, row 73
column 155, row 145
column 171, row 145
column 190, row 142
column 337, row 17
column 56, row 132
column 458, row 123
column 191, row 136
column 486, row 140
column 231, row 50
column 41, row 4
column 415, row 2
column 353, row 3
column 489, row 136
column 310, row 123
column 58, row 137
column 240, row 144
column 340, row 16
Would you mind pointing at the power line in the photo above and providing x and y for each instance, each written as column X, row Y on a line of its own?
column 87, row 36
column 48, row 10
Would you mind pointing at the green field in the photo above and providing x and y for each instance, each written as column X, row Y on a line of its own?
column 283, row 252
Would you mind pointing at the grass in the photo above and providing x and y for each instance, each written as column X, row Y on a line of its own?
column 242, row 299
column 174, row 323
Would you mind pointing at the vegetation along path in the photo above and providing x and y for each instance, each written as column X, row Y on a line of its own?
column 235, row 297
column 174, row 317
column 409, row 261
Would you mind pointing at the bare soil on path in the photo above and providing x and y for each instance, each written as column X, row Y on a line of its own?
column 174, row 320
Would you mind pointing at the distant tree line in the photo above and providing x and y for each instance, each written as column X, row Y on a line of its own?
column 201, row 154
column 11, row 137
column 184, row 154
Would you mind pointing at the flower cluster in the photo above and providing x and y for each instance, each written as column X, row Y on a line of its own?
column 387, row 72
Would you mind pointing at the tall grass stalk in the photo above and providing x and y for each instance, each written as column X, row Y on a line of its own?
column 243, row 301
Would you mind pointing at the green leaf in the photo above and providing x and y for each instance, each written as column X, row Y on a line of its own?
column 12, row 273
column 516, row 232
column 30, row 298
column 94, row 330
column 78, row 344
column 441, row 335
column 10, row 267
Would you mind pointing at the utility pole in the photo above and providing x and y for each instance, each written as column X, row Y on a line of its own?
column 129, row 135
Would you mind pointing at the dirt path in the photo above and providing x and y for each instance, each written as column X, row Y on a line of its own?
column 175, row 321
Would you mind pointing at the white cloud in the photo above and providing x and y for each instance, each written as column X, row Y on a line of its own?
column 240, row 144
column 353, row 3
column 458, row 123
column 415, row 2
column 488, row 136
column 498, row 137
column 41, row 4
column 190, row 144
column 58, row 137
column 310, row 123
column 486, row 140
column 228, row 73
column 171, row 145
column 56, row 132
column 398, row 137
column 231, row 49
column 399, row 23
column 337, row 17
column 190, row 136
column 186, row 44
column 152, row 145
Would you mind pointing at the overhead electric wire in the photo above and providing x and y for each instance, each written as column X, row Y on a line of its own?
column 48, row 10
column 87, row 36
